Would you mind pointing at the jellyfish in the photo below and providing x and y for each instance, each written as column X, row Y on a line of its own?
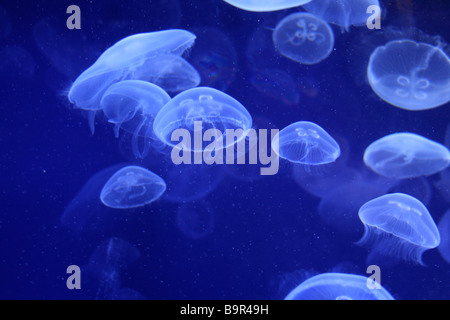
column 306, row 143
column 133, row 105
column 406, row 155
column 343, row 13
column 444, row 229
column 266, row 5
column 304, row 38
column 337, row 286
column 115, row 252
column 195, row 219
column 399, row 226
column 132, row 187
column 410, row 75
column 200, row 109
column 132, row 58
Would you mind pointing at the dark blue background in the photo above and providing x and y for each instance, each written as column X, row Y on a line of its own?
column 267, row 235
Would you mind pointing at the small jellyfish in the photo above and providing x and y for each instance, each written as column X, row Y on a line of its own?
column 399, row 226
column 410, row 75
column 266, row 5
column 304, row 38
column 406, row 155
column 200, row 109
column 132, row 58
column 338, row 286
column 132, row 187
column 133, row 105
column 343, row 13
column 306, row 143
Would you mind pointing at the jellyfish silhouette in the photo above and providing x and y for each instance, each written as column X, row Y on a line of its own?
column 444, row 229
column 399, row 226
column 410, row 75
column 133, row 105
column 209, row 107
column 132, row 187
column 343, row 13
column 134, row 57
column 266, row 5
column 304, row 38
column 337, row 286
column 306, row 143
column 406, row 155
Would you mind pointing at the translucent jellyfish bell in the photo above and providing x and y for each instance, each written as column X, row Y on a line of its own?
column 398, row 225
column 210, row 108
column 406, row 155
column 306, row 143
column 126, row 60
column 410, row 75
column 304, row 38
column 132, row 187
column 343, row 13
column 133, row 105
column 337, row 286
column 266, row 5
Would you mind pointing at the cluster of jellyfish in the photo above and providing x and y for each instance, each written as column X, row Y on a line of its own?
column 131, row 85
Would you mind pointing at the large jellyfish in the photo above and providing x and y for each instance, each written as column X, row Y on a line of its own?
column 399, row 226
column 133, row 105
column 135, row 57
column 337, row 286
column 266, row 5
column 406, row 155
column 200, row 109
column 410, row 75
column 132, row 187
column 306, row 143
column 304, row 38
column 343, row 13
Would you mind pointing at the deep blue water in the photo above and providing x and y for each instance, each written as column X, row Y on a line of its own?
column 264, row 235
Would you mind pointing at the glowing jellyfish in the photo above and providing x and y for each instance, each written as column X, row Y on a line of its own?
column 337, row 286
column 266, row 5
column 200, row 109
column 134, row 57
column 410, row 75
column 399, row 226
column 306, row 143
column 343, row 13
column 406, row 155
column 132, row 187
column 444, row 229
column 133, row 105
column 304, row 38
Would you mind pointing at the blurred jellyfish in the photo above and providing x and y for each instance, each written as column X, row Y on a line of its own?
column 100, row 281
column 86, row 207
column 410, row 75
column 399, row 226
column 133, row 105
column 443, row 185
column 195, row 219
column 133, row 57
column 306, row 143
column 304, row 38
column 266, row 5
column 343, row 13
column 276, row 84
column 418, row 188
column 337, row 286
column 132, row 187
column 208, row 107
column 444, row 229
column 115, row 252
column 127, row 294
column 406, row 155
column 339, row 207
column 214, row 57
